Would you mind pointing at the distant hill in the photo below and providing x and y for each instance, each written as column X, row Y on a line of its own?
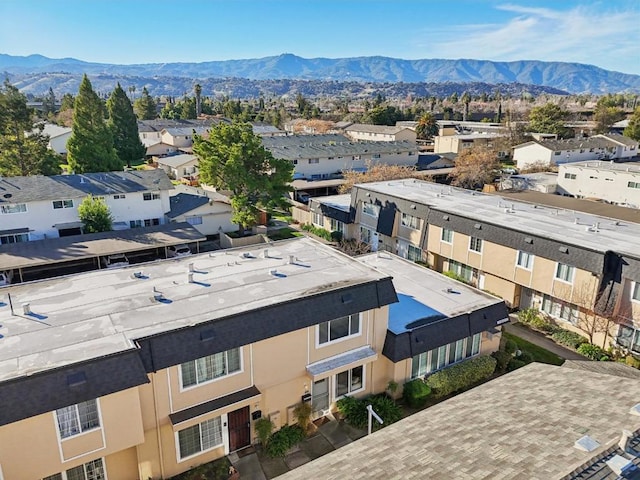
column 568, row 77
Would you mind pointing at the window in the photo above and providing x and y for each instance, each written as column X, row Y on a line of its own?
column 557, row 153
column 349, row 381
column 339, row 328
column 524, row 260
column 475, row 244
column 570, row 176
column 375, row 155
column 77, row 418
column 464, row 271
column 15, row 238
column 414, row 254
column 57, row 204
column 150, row 196
column 337, row 226
column 194, row 220
column 438, row 358
column 635, row 292
column 209, row 368
column 633, row 184
column 314, row 160
column 119, row 197
column 148, row 222
column 560, row 309
column 370, row 209
column 410, row 221
column 447, row 235
column 629, row 337
column 564, row 272
column 135, row 223
column 365, row 235
column 93, row 470
column 200, row 438
column 317, row 219
column 18, row 208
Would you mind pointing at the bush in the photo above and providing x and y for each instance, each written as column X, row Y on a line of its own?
column 502, row 360
column 514, row 364
column 532, row 318
column 415, row 393
column 303, row 412
column 461, row 375
column 336, row 236
column 632, row 361
column 510, row 346
column 263, row 427
column 527, row 315
column 455, row 276
column 525, row 357
column 319, row 232
column 591, row 351
column 283, row 440
column 568, row 338
column 355, row 411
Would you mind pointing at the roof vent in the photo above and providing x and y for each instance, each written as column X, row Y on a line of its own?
column 563, row 250
column 190, row 277
column 157, row 295
column 265, row 253
column 620, row 465
column 191, row 270
column 586, row 444
column 26, row 308
column 292, row 260
column 625, row 440
column 140, row 275
column 635, row 410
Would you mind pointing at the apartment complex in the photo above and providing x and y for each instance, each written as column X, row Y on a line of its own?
column 579, row 268
column 146, row 372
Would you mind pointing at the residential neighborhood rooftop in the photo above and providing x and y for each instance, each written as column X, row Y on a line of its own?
column 339, row 202
column 610, row 166
column 522, row 425
column 597, row 141
column 185, row 202
column 382, row 129
column 175, row 161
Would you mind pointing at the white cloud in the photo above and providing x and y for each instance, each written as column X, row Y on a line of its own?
column 607, row 38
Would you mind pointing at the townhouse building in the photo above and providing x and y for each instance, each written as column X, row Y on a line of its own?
column 581, row 269
column 37, row 207
column 204, row 346
column 380, row 133
column 617, row 183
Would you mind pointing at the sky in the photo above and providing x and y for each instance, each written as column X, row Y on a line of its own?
column 604, row 33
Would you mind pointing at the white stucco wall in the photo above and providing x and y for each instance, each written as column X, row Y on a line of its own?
column 214, row 216
column 332, row 165
column 603, row 183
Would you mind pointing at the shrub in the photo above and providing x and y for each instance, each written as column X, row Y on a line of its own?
column 532, row 318
column 510, row 346
column 502, row 359
column 319, row 232
column 525, row 357
column 527, row 315
column 455, row 276
column 355, row 411
column 514, row 364
column 283, row 440
column 415, row 393
column 591, row 351
column 336, row 236
column 263, row 427
column 302, row 412
column 461, row 375
column 568, row 338
column 632, row 361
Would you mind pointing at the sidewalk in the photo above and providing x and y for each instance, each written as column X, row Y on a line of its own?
column 540, row 340
column 254, row 465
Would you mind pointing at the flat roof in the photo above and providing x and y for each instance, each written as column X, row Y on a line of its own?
column 631, row 167
column 563, row 224
column 424, row 293
column 520, row 425
column 76, row 247
column 339, row 202
column 94, row 314
column 310, row 184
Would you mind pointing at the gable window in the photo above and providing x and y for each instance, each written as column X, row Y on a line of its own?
column 349, row 381
column 447, row 235
column 78, row 418
column 635, row 292
column 370, row 209
column 410, row 221
column 150, row 196
column 93, row 470
column 200, row 438
column 211, row 367
column 524, row 260
column 339, row 328
column 475, row 244
column 17, row 208
column 57, row 204
column 564, row 272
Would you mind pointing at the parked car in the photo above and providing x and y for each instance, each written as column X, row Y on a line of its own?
column 510, row 171
column 6, row 277
column 303, row 197
column 115, row 260
column 178, row 251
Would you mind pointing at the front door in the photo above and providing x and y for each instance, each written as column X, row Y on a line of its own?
column 320, row 397
column 239, row 429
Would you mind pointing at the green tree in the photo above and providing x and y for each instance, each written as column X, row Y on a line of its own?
column 548, row 118
column 607, row 116
column 145, row 106
column 124, row 127
column 427, row 127
column 90, row 147
column 67, row 102
column 466, row 100
column 633, row 130
column 49, row 103
column 188, row 108
column 95, row 215
column 233, row 159
column 23, row 147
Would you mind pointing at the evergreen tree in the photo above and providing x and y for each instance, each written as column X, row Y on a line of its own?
column 95, row 215
column 633, row 130
column 124, row 127
column 49, row 103
column 67, row 102
column 23, row 148
column 145, row 106
column 90, row 147
column 548, row 118
column 427, row 127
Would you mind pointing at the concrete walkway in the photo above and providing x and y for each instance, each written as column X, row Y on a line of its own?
column 541, row 340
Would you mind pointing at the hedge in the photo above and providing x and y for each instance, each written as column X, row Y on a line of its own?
column 355, row 411
column 461, row 375
column 569, row 338
column 282, row 440
column 415, row 393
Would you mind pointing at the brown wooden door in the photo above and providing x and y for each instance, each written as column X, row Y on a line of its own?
column 239, row 429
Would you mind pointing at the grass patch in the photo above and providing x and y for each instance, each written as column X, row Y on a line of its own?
column 539, row 354
column 216, row 470
column 284, row 233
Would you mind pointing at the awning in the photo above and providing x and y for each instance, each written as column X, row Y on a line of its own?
column 350, row 359
column 215, row 404
column 63, row 226
column 13, row 231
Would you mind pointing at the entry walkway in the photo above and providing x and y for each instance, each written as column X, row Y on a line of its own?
column 541, row 340
column 329, row 436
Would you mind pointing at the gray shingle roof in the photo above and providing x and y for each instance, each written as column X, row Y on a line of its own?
column 176, row 160
column 184, row 202
column 574, row 143
column 57, row 187
column 383, row 129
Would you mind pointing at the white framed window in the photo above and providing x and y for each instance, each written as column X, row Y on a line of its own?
column 150, row 196
column 337, row 226
column 151, row 221
column 58, row 204
column 633, row 184
column 447, row 235
column 15, row 238
column 570, row 176
column 314, row 161
column 317, row 219
column 338, row 329
column 475, row 244
column 93, row 470
column 195, row 220
column 349, row 381
column 410, row 221
column 211, row 367
column 414, row 253
column 445, row 355
column 119, row 197
column 17, row 208
column 560, row 309
column 78, row 418
column 199, row 438
column 371, row 209
column 628, row 337
column 635, row 292
column 524, row 260
column 464, row 271
column 365, row 235
column 564, row 272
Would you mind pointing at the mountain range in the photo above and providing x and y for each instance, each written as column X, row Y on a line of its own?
column 567, row 77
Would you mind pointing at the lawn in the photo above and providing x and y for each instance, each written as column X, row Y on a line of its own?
column 216, row 470
column 539, row 354
column 285, row 233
